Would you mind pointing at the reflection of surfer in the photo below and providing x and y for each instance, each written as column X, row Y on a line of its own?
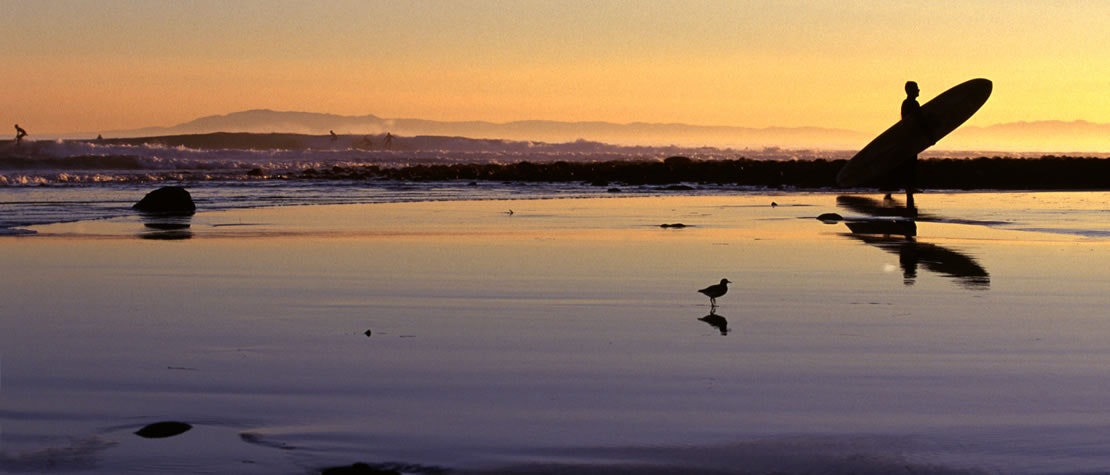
column 19, row 134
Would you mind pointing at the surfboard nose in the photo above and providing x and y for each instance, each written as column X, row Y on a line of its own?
column 980, row 87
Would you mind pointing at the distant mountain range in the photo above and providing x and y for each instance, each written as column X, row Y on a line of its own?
column 1041, row 136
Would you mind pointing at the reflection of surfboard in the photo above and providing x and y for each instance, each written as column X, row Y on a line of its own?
column 934, row 258
column 904, row 140
column 882, row 226
column 893, row 209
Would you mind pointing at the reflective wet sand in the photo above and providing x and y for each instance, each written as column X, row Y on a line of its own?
column 566, row 334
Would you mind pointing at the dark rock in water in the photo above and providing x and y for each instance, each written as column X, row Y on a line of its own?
column 161, row 430
column 674, row 225
column 368, row 333
column 614, row 190
column 830, row 218
column 359, row 469
column 168, row 200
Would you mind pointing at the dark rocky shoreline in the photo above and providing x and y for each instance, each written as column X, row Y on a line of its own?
column 997, row 173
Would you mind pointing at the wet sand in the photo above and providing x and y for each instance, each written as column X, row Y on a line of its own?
column 564, row 337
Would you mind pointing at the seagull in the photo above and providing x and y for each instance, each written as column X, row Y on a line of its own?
column 714, row 291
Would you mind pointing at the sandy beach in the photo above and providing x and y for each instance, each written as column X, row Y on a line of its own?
column 563, row 336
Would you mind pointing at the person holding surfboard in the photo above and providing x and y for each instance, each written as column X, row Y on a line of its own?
column 887, row 161
column 915, row 117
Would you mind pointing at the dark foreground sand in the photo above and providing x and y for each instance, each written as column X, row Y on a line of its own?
column 565, row 337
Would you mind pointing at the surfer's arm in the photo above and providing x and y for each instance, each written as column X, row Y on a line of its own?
column 924, row 123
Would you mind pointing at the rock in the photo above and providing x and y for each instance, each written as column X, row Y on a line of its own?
column 359, row 469
column 674, row 225
column 830, row 218
column 169, row 200
column 161, row 430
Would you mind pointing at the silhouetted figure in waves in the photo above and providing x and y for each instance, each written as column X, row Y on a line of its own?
column 912, row 114
column 19, row 134
column 333, row 136
column 388, row 141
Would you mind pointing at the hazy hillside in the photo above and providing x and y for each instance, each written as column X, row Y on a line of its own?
column 267, row 121
column 1042, row 136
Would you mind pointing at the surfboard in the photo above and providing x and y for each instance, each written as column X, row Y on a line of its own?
column 904, row 140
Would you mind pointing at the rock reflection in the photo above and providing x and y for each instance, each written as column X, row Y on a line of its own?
column 716, row 321
column 166, row 227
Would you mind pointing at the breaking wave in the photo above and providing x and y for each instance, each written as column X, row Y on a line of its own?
column 255, row 156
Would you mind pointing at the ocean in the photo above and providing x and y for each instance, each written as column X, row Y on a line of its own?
column 62, row 181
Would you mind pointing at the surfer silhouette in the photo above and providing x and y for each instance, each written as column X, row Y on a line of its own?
column 366, row 143
column 912, row 114
column 333, row 136
column 19, row 134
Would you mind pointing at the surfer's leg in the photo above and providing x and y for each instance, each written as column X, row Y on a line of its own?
column 911, row 180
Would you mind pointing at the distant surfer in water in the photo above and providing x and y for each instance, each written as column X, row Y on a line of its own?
column 333, row 136
column 19, row 134
column 912, row 113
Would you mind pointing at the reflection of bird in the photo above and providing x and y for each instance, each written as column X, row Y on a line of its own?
column 714, row 291
column 716, row 321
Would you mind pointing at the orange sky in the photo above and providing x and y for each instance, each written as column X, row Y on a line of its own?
column 86, row 66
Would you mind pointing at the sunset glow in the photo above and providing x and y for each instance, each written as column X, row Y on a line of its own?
column 74, row 66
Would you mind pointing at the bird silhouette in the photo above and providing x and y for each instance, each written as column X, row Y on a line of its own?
column 716, row 290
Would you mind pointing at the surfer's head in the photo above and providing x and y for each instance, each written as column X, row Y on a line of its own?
column 911, row 89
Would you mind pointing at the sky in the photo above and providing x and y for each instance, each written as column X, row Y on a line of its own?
column 87, row 66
